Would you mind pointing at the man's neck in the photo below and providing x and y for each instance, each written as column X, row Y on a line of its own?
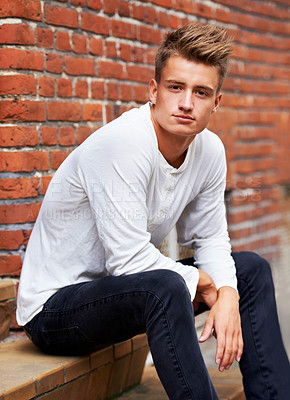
column 172, row 147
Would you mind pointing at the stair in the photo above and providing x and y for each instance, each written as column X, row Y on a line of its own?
column 26, row 373
column 228, row 385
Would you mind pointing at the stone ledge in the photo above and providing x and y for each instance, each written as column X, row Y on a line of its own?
column 26, row 373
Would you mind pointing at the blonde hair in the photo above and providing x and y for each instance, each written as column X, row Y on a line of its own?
column 206, row 44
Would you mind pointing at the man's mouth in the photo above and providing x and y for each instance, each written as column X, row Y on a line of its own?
column 184, row 117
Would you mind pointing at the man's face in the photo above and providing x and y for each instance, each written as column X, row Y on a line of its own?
column 185, row 97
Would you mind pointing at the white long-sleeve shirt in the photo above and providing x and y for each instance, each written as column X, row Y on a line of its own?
column 112, row 202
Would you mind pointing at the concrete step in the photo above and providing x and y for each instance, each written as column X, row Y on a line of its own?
column 228, row 385
column 26, row 373
column 7, row 306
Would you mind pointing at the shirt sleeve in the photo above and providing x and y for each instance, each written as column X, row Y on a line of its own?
column 203, row 226
column 115, row 174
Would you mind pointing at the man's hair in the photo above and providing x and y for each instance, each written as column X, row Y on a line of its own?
column 206, row 44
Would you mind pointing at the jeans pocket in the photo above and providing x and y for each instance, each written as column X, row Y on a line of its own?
column 67, row 341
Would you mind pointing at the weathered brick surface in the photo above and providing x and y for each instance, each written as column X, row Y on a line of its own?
column 68, row 67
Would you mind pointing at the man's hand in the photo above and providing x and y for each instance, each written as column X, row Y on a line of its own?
column 224, row 319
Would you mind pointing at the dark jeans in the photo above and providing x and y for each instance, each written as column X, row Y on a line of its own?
column 88, row 316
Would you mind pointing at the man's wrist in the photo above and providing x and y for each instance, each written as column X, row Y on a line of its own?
column 224, row 291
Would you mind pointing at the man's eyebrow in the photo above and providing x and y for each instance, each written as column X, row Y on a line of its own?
column 174, row 81
column 207, row 88
column 204, row 87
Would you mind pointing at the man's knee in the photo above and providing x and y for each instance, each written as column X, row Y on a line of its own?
column 168, row 283
column 252, row 268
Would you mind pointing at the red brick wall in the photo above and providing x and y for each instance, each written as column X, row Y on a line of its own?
column 68, row 67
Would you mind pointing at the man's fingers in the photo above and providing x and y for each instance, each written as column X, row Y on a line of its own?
column 240, row 348
column 228, row 350
column 220, row 349
column 208, row 326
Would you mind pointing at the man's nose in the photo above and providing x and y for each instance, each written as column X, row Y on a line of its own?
column 185, row 101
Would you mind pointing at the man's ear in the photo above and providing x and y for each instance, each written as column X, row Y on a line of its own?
column 153, row 91
column 217, row 102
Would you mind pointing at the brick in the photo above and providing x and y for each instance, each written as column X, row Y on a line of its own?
column 141, row 93
column 27, row 9
column 94, row 4
column 79, row 66
column 17, row 84
column 111, row 50
column 150, row 35
column 16, row 34
column 255, row 149
column 14, row 136
column 250, row 166
column 93, row 112
column 24, row 161
column 113, row 91
column 57, row 157
column 223, row 15
column 95, row 23
column 144, row 14
column 45, row 181
column 62, row 41
column 46, row 86
column 83, row 132
column 80, row 44
column 126, row 92
column 49, row 135
column 96, row 46
column 164, row 19
column 54, row 63
column 81, row 89
column 64, row 111
column 113, row 111
column 203, row 10
column 15, row 188
column 126, row 52
column 17, row 110
column 64, row 87
column 150, row 56
column 62, row 16
column 10, row 265
column 138, row 54
column 66, row 136
column 110, row 6
column 124, row 30
column 12, row 240
column 109, row 69
column 78, row 2
column 45, row 38
column 124, row 8
column 19, row 213
column 138, row 73
column 98, row 89
column 163, row 3
column 21, row 59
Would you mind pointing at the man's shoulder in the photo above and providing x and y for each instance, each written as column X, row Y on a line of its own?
column 210, row 140
column 133, row 125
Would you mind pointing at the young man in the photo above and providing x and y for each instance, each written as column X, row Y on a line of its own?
column 93, row 275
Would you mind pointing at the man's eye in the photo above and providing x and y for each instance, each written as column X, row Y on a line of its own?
column 201, row 93
column 175, row 87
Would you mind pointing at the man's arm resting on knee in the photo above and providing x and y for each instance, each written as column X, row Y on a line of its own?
column 223, row 319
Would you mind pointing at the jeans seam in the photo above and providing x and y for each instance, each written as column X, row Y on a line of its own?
column 255, row 334
column 173, row 349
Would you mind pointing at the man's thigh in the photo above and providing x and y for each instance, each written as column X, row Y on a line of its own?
column 87, row 316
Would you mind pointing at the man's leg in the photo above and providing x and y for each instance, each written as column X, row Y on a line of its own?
column 264, row 364
column 83, row 317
